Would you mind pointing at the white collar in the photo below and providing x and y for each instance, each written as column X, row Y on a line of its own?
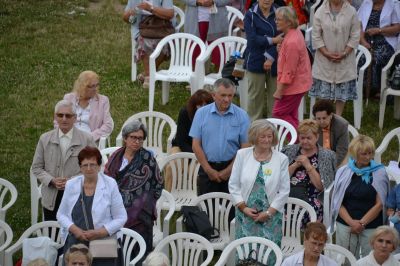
column 68, row 134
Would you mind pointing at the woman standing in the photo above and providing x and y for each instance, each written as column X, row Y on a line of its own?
column 139, row 180
column 294, row 68
column 259, row 184
column 311, row 167
column 359, row 194
column 92, row 109
column 260, row 58
column 380, row 29
column 335, row 36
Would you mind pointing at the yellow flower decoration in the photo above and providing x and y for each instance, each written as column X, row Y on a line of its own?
column 267, row 171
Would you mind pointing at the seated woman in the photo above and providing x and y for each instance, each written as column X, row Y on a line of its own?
column 259, row 184
column 359, row 194
column 139, row 180
column 92, row 109
column 78, row 255
column 91, row 207
column 384, row 240
column 311, row 167
column 135, row 12
column 315, row 238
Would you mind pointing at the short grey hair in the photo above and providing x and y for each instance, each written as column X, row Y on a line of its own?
column 289, row 15
column 133, row 126
column 65, row 103
column 156, row 259
column 382, row 230
column 226, row 83
column 259, row 126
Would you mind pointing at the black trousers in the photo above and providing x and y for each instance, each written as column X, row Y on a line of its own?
column 51, row 215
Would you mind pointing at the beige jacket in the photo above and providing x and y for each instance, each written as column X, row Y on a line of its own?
column 48, row 162
column 335, row 35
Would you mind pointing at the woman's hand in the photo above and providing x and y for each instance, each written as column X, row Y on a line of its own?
column 78, row 233
column 304, row 161
column 356, row 227
column 252, row 213
column 262, row 217
column 277, row 39
column 268, row 64
column 373, row 31
column 145, row 6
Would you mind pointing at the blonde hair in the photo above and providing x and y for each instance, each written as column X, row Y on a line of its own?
column 361, row 143
column 82, row 82
column 78, row 248
column 289, row 15
column 382, row 230
column 38, row 262
column 308, row 125
column 259, row 126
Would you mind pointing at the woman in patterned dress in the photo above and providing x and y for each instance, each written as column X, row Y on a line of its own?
column 139, row 181
column 259, row 185
column 311, row 167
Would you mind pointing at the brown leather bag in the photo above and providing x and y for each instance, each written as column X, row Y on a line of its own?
column 153, row 27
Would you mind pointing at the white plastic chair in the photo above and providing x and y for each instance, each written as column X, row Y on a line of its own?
column 357, row 104
column 327, row 205
column 181, row 46
column 233, row 15
column 339, row 254
column 264, row 249
column 186, row 249
column 353, row 131
column 36, row 194
column 178, row 14
column 295, row 211
column 104, row 142
column 8, row 196
column 161, row 226
column 312, row 12
column 386, row 90
column 217, row 205
column 157, row 125
column 50, row 229
column 129, row 239
column 284, row 128
column 6, row 237
column 105, row 154
column 184, row 169
column 385, row 143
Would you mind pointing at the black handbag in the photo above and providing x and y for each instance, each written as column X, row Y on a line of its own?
column 299, row 191
column 197, row 221
column 153, row 27
column 250, row 261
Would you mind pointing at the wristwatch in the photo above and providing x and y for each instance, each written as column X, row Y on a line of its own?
column 151, row 9
column 269, row 215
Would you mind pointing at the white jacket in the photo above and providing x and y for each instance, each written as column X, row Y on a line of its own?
column 244, row 173
column 107, row 210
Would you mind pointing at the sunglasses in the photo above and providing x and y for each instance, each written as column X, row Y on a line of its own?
column 68, row 116
column 84, row 250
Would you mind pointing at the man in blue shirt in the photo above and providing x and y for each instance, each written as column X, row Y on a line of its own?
column 218, row 130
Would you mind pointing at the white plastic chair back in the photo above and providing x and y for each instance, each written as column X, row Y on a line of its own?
column 6, row 237
column 312, row 12
column 104, row 142
column 339, row 254
column 158, row 125
column 180, row 17
column 161, row 226
column 394, row 133
column 186, row 249
column 295, row 211
column 184, row 168
column 284, row 128
column 8, row 196
column 353, row 131
column 243, row 246
column 131, row 238
column 327, row 205
column 105, row 154
column 36, row 194
column 233, row 15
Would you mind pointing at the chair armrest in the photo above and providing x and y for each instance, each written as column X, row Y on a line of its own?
column 385, row 71
column 179, row 224
column 327, row 203
column 103, row 142
column 232, row 230
column 118, row 140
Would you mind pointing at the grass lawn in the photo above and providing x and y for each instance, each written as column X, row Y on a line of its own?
column 44, row 45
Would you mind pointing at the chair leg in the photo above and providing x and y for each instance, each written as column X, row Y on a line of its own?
column 165, row 92
column 396, row 114
column 312, row 102
column 382, row 107
column 357, row 108
column 152, row 85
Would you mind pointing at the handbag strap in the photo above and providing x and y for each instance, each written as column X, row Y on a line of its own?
column 84, row 209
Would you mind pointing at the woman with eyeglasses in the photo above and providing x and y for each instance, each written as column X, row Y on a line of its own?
column 78, row 255
column 92, row 206
column 140, row 183
column 92, row 109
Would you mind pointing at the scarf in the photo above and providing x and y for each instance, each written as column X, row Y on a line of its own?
column 364, row 172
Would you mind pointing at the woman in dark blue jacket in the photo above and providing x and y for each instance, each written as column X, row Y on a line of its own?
column 260, row 57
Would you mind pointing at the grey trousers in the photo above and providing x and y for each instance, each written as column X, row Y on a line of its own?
column 358, row 244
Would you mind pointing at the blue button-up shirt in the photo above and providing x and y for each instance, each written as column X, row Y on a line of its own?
column 220, row 134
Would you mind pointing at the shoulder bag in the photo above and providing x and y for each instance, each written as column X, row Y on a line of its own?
column 153, row 27
column 197, row 221
column 250, row 261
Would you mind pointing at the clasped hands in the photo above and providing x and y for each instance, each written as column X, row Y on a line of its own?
column 143, row 6
column 87, row 235
column 257, row 216
column 356, row 227
column 217, row 176
column 303, row 160
column 334, row 56
column 59, row 182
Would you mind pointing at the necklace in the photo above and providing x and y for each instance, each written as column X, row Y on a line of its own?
column 262, row 157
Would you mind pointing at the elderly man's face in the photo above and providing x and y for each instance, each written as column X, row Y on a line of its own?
column 65, row 118
column 313, row 246
column 223, row 98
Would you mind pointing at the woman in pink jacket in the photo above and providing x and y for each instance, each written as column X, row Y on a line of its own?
column 294, row 68
column 92, row 109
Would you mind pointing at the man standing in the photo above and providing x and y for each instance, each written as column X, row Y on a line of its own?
column 56, row 157
column 218, row 130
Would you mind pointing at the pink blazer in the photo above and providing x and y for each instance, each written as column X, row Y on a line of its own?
column 100, row 120
column 294, row 68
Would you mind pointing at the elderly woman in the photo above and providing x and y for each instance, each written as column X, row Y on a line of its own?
column 294, row 68
column 91, row 207
column 260, row 57
column 92, row 109
column 315, row 238
column 311, row 167
column 380, row 29
column 359, row 194
column 259, row 184
column 78, row 255
column 335, row 36
column 384, row 240
column 135, row 12
column 139, row 180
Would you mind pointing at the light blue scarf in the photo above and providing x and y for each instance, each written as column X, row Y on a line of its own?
column 364, row 172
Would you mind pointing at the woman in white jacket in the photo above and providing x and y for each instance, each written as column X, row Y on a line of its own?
column 91, row 207
column 259, row 184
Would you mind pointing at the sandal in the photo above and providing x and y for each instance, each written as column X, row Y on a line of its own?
column 140, row 77
column 146, row 82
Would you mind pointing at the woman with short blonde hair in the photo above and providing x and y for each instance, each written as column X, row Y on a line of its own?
column 78, row 254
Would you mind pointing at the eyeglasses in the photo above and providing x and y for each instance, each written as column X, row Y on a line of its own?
column 68, row 116
column 136, row 139
column 89, row 165
column 84, row 250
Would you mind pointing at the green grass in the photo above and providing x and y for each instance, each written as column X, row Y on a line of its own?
column 42, row 51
